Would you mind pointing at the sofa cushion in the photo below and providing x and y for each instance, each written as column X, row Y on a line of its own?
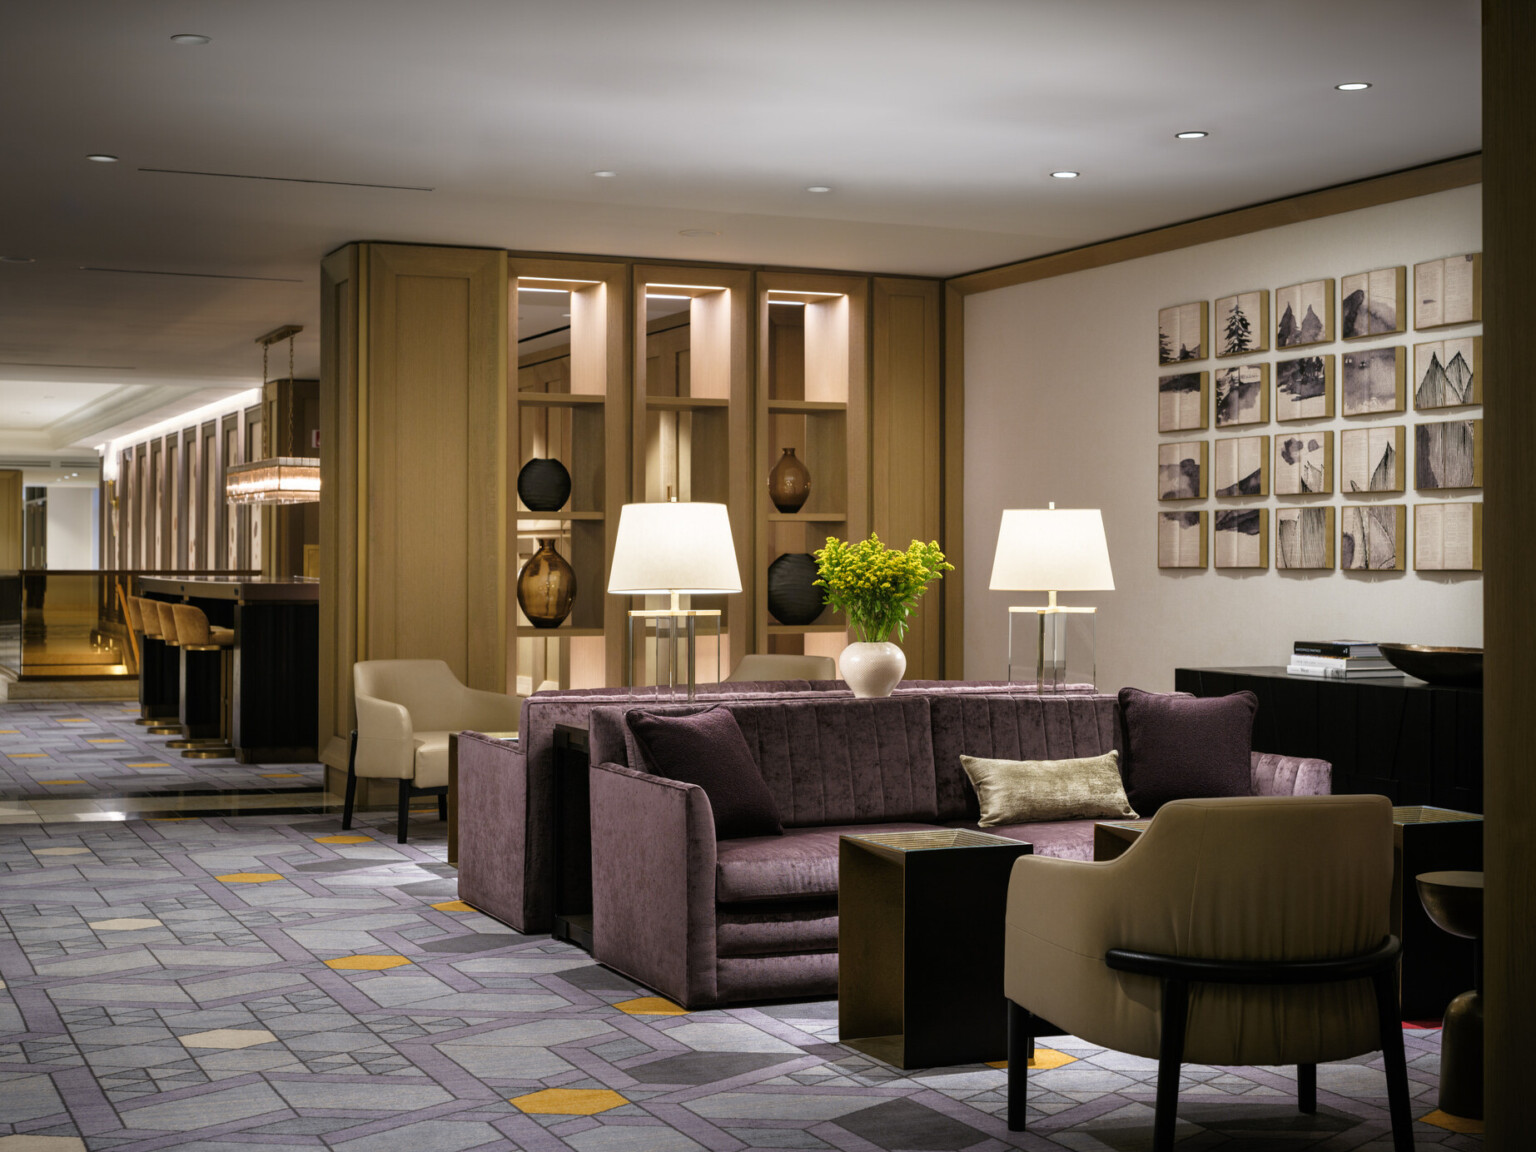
column 1061, row 839
column 707, row 749
column 765, row 929
column 1180, row 747
column 431, row 760
column 1031, row 791
column 799, row 865
column 1015, row 726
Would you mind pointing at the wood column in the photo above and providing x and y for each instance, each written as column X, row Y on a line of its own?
column 1509, row 611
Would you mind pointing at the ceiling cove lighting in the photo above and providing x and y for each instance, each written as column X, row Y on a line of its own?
column 191, row 38
column 18, row 259
column 1191, row 135
column 275, row 479
column 819, row 188
column 605, row 174
column 697, row 233
column 1353, row 86
column 102, row 158
column 1065, row 174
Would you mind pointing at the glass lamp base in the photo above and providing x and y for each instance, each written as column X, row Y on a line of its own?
column 1053, row 648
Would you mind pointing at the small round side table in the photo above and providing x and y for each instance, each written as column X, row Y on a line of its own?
column 1454, row 901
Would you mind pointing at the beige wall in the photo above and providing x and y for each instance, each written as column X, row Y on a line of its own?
column 1061, row 404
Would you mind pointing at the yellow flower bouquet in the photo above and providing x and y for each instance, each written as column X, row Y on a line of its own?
column 877, row 587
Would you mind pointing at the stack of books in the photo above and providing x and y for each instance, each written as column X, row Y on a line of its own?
column 1339, row 660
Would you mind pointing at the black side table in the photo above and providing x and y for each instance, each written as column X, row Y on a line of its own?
column 920, row 943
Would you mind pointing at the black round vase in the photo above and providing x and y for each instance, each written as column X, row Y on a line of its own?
column 793, row 597
column 544, row 485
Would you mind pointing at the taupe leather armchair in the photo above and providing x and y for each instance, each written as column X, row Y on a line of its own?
column 1246, row 930
column 406, row 710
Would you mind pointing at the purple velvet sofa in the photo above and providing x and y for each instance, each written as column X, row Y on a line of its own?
column 708, row 923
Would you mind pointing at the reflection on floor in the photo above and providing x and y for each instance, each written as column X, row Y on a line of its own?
column 88, row 750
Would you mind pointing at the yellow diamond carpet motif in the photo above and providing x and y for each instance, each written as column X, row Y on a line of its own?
column 650, row 1006
column 61, row 781
column 569, row 1101
column 453, row 906
column 343, row 839
column 240, row 877
column 366, row 963
column 1045, row 1059
column 1452, row 1123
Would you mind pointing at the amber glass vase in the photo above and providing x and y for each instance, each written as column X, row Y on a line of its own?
column 546, row 587
column 789, row 483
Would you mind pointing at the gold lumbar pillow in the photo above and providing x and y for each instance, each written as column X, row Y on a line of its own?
column 1034, row 791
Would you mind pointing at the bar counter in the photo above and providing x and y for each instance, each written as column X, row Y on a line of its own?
column 276, row 690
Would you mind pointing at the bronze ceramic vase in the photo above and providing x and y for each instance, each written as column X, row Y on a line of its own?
column 789, row 483
column 546, row 587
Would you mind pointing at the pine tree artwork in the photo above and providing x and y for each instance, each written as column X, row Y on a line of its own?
column 1244, row 321
column 1181, row 332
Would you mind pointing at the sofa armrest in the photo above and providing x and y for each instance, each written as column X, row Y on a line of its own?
column 653, row 882
column 497, row 840
column 1276, row 775
column 386, row 744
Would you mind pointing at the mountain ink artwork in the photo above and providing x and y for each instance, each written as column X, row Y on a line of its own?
column 1241, row 537
column 1370, row 537
column 1373, row 381
column 1303, row 464
column 1305, row 314
column 1242, row 466
column 1181, row 539
column 1242, row 395
column 1371, row 460
column 1448, row 455
column 1181, row 471
column 1372, row 303
column 1445, row 373
column 1304, row 537
column 1181, row 401
column 1181, row 333
column 1304, row 388
column 1242, row 323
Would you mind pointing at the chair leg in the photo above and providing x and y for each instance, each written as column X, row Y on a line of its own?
column 1169, row 1060
column 1021, row 1049
column 442, row 806
column 1306, row 1087
column 404, row 808
column 351, row 796
column 1393, row 1058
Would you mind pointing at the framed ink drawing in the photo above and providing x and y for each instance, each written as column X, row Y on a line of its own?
column 1448, row 291
column 1303, row 463
column 1240, row 537
column 1448, row 537
column 1304, row 314
column 1448, row 373
column 1371, row 460
column 1304, row 388
column 1242, row 466
column 1181, row 539
column 1304, row 537
column 1448, row 455
column 1373, row 381
column 1371, row 303
column 1242, row 395
column 1181, row 470
column 1181, row 332
column 1242, row 323
column 1183, row 402
column 1372, row 537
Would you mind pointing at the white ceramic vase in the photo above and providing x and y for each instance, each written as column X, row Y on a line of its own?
column 872, row 669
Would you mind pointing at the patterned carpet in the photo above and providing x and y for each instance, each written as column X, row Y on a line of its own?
column 258, row 984
column 77, row 749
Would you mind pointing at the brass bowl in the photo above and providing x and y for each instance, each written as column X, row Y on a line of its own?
column 1450, row 667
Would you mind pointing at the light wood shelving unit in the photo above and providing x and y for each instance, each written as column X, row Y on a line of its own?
column 570, row 404
column 812, row 396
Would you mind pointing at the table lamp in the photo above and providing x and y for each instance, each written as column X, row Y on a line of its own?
column 1052, row 550
column 674, row 549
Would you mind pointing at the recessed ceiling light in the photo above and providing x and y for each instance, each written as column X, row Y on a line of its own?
column 18, row 259
column 1064, row 174
column 697, row 233
column 818, row 188
column 102, row 158
column 190, row 38
column 1191, row 135
column 1353, row 86
column 605, row 174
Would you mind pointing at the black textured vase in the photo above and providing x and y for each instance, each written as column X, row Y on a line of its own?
column 793, row 598
column 544, row 485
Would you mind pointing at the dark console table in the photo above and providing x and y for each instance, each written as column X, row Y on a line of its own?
column 1398, row 737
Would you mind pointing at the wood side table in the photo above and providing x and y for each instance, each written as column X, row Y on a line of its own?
column 1424, row 839
column 920, row 942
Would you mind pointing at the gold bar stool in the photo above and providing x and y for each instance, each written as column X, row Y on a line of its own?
column 155, row 681
column 136, row 624
column 172, row 640
column 207, row 678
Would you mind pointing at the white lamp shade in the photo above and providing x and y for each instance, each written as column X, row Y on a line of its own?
column 674, row 547
column 1052, row 550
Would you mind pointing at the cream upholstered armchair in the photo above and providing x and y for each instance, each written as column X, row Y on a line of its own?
column 1246, row 930
column 406, row 710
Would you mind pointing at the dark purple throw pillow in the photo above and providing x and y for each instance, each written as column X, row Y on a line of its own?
column 707, row 748
column 1180, row 747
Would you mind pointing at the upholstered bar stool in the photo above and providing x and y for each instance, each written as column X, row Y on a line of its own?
column 207, row 683
column 159, row 672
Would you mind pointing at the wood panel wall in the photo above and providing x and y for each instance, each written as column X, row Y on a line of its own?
column 1509, row 612
column 10, row 519
column 907, row 447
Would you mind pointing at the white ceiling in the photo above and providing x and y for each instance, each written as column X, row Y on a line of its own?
column 935, row 125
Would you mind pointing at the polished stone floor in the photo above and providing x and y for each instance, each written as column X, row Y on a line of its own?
column 250, row 983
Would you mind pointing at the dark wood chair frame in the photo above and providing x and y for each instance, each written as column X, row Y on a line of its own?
column 1179, row 972
column 403, row 805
